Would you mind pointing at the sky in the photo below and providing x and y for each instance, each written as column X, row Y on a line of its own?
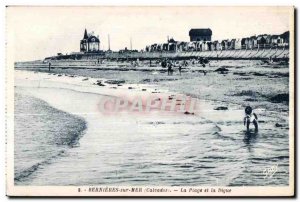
column 38, row 32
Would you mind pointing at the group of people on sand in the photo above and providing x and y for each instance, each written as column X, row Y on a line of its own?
column 170, row 64
column 167, row 63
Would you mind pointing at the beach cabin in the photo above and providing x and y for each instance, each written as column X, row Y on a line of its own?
column 209, row 45
column 228, row 44
column 195, row 45
column 275, row 40
column 261, row 41
column 253, row 42
column 147, row 49
column 198, row 45
column 172, row 47
column 238, row 44
column 232, row 44
column 268, row 39
column 245, row 43
column 181, row 46
column 165, row 47
column 191, row 46
column 215, row 45
column 224, row 45
column 249, row 43
column 285, row 39
column 153, row 47
column 159, row 47
column 203, row 46
column 218, row 45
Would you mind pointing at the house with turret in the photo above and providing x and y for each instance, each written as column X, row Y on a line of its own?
column 89, row 43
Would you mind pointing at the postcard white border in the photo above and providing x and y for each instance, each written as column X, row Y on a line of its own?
column 13, row 190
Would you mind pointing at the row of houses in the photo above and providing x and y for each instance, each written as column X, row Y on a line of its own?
column 253, row 42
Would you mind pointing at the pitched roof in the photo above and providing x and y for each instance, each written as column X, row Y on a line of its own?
column 203, row 32
column 275, row 36
column 85, row 36
column 93, row 39
column 285, row 34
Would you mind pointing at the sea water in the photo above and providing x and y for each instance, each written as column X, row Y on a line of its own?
column 208, row 148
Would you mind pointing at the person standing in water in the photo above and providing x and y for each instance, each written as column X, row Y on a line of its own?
column 250, row 116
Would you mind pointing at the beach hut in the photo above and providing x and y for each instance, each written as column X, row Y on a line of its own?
column 275, row 40
column 203, row 46
column 245, row 43
column 198, row 45
column 185, row 46
column 285, row 39
column 232, row 44
column 153, row 47
column 181, row 46
column 268, row 39
column 218, row 45
column 172, row 47
column 249, row 43
column 165, row 47
column 223, row 44
column 253, row 42
column 215, row 45
column 209, row 45
column 238, row 44
column 195, row 45
column 228, row 44
column 147, row 49
column 159, row 47
column 191, row 46
column 261, row 41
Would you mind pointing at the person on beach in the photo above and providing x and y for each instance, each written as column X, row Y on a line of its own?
column 179, row 68
column 250, row 116
column 185, row 63
column 49, row 66
column 164, row 63
column 270, row 59
column 170, row 68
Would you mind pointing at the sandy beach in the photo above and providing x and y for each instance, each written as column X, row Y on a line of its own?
column 160, row 148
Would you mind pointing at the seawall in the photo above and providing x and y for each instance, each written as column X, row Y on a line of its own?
column 225, row 54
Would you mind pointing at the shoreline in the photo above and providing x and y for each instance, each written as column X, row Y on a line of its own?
column 55, row 131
